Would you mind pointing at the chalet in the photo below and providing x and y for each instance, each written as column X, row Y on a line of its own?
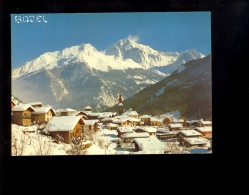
column 36, row 104
column 66, row 126
column 177, row 121
column 21, row 114
column 205, row 123
column 187, row 134
column 107, row 120
column 123, row 122
column 175, row 127
column 130, row 113
column 124, row 130
column 90, row 125
column 148, row 129
column 145, row 119
column 155, row 122
column 205, row 131
column 103, row 115
column 135, row 121
column 93, row 115
column 194, row 142
column 67, row 111
column 42, row 115
column 165, row 134
column 150, row 144
column 111, row 126
column 130, row 136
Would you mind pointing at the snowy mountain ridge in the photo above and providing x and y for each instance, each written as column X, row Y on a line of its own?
column 124, row 54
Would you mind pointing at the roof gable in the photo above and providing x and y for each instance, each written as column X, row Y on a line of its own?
column 22, row 107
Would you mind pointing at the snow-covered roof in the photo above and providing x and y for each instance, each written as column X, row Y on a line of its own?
column 14, row 101
column 87, row 107
column 22, row 107
column 153, row 119
column 94, row 114
column 125, row 129
column 192, row 122
column 204, row 129
column 43, row 110
column 87, row 112
column 105, row 114
column 121, row 120
column 130, row 113
column 91, row 122
column 107, row 119
column 206, row 122
column 196, row 141
column 145, row 116
column 135, row 135
column 63, row 123
column 76, row 113
column 190, row 132
column 68, row 110
column 150, row 144
column 120, row 104
column 112, row 125
column 147, row 129
column 167, row 133
column 163, row 130
column 177, row 125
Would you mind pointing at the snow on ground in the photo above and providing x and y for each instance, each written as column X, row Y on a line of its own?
column 32, row 143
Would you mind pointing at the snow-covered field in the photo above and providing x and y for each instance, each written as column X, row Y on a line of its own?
column 33, row 143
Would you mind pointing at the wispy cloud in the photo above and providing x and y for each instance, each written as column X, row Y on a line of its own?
column 135, row 38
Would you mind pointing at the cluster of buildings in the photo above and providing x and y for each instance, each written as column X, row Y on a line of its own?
column 145, row 132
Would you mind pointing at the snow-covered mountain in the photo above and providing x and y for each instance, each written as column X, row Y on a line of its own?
column 187, row 90
column 81, row 75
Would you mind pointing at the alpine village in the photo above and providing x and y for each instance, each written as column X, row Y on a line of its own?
column 127, row 131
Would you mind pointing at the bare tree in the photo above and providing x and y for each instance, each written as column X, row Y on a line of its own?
column 18, row 144
column 42, row 145
column 106, row 145
column 78, row 146
column 174, row 148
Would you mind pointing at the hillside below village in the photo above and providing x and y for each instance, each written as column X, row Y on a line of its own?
column 42, row 130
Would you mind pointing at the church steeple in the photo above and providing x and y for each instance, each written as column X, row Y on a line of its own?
column 120, row 104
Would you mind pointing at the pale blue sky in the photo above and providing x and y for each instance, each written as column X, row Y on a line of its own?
column 163, row 31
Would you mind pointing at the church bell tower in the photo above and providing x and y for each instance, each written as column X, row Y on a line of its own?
column 120, row 104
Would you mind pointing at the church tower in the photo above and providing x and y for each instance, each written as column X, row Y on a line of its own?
column 120, row 104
